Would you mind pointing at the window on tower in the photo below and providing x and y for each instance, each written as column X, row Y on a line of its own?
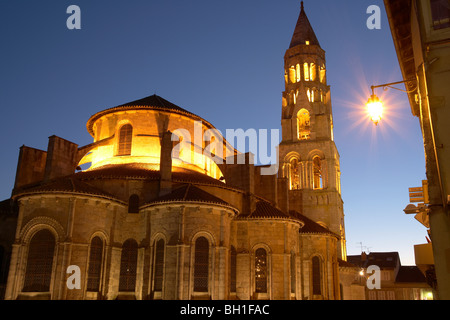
column 322, row 73
column 306, row 71
column 294, row 175
column 312, row 71
column 292, row 74
column 317, row 173
column 303, row 125
column 297, row 73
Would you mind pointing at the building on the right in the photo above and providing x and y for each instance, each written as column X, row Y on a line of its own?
column 396, row 282
column 421, row 35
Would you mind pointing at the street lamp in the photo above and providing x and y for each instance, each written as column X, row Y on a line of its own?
column 375, row 106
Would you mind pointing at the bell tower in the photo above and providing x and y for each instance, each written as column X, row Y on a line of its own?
column 308, row 155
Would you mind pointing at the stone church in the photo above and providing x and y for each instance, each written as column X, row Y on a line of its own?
column 142, row 222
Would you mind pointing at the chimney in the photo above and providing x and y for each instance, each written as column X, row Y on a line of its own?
column 363, row 256
column 61, row 158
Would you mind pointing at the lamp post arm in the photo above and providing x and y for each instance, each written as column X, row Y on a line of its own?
column 389, row 84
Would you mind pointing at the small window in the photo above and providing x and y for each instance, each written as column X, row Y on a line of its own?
column 440, row 13
column 125, row 139
column 133, row 204
column 95, row 265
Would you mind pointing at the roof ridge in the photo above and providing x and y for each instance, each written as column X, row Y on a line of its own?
column 186, row 192
column 72, row 183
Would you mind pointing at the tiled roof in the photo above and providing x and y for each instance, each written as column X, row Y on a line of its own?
column 265, row 210
column 346, row 264
column 69, row 184
column 303, row 31
column 410, row 274
column 153, row 102
column 312, row 227
column 189, row 193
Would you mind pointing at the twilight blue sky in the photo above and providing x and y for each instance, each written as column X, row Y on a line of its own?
column 222, row 60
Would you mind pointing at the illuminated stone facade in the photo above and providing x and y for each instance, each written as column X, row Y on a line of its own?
column 144, row 223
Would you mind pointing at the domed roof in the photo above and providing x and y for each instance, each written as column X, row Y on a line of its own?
column 153, row 102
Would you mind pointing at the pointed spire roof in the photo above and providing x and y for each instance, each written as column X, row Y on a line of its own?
column 303, row 31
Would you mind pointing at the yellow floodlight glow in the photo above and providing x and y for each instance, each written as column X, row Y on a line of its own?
column 375, row 109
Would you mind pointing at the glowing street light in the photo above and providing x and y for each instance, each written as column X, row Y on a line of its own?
column 375, row 109
column 375, row 106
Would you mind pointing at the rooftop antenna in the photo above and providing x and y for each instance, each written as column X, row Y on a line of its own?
column 361, row 244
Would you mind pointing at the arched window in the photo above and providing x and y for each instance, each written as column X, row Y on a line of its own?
column 303, row 125
column 125, row 138
column 133, row 204
column 95, row 265
column 128, row 266
column 322, row 74
column 312, row 69
column 292, row 74
column 306, row 73
column 316, row 276
column 317, row 173
column 233, row 269
column 297, row 73
column 201, row 265
column 260, row 271
column 294, row 177
column 38, row 273
column 158, row 265
column 308, row 93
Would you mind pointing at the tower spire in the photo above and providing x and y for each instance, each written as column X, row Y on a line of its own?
column 303, row 32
